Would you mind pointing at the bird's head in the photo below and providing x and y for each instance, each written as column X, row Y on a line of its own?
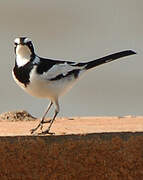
column 24, row 49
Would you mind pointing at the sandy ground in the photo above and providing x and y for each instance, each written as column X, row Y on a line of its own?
column 20, row 122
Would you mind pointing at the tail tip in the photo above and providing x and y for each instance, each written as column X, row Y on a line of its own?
column 131, row 52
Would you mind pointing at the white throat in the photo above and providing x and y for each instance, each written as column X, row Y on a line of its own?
column 21, row 61
column 23, row 55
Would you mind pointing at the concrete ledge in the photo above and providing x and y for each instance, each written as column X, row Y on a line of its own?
column 96, row 156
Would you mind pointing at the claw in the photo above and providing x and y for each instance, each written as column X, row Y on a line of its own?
column 41, row 127
column 32, row 130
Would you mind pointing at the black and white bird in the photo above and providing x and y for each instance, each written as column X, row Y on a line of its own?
column 48, row 78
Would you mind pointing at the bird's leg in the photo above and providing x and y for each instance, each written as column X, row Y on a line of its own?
column 52, row 120
column 42, row 120
column 47, row 130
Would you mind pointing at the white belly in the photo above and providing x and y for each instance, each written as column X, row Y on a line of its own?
column 43, row 88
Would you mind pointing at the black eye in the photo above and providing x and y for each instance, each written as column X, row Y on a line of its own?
column 29, row 44
column 15, row 44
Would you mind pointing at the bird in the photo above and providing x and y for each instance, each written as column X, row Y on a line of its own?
column 50, row 78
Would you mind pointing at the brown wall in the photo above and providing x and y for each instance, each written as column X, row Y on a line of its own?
column 95, row 156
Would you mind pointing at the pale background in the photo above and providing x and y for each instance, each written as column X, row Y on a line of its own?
column 78, row 30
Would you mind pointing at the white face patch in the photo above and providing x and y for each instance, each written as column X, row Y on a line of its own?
column 17, row 41
column 23, row 51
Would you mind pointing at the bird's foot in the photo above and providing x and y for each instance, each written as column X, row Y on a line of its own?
column 33, row 130
column 40, row 125
column 46, row 132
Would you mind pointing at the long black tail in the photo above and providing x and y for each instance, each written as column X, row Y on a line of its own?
column 109, row 58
